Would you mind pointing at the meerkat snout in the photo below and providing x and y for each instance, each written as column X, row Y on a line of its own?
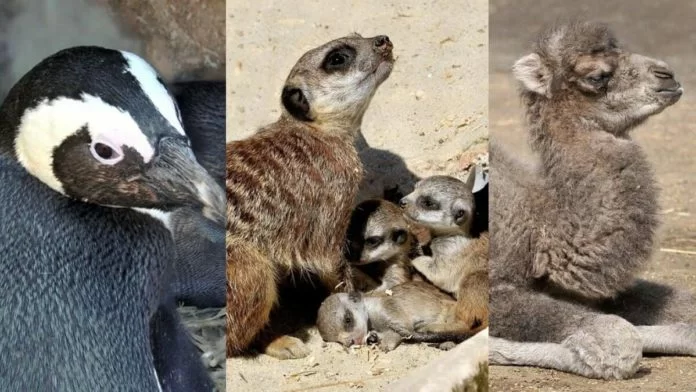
column 382, row 42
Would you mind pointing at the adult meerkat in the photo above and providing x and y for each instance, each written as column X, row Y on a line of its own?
column 380, row 246
column 570, row 233
column 459, row 262
column 285, row 215
column 388, row 319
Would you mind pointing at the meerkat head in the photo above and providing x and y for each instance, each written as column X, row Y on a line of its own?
column 332, row 85
column 443, row 204
column 343, row 318
column 378, row 231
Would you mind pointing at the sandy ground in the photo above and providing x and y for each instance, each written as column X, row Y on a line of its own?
column 431, row 110
column 662, row 29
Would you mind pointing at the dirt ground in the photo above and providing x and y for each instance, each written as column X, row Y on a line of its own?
column 430, row 111
column 662, row 29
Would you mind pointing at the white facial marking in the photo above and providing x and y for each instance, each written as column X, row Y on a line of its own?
column 46, row 126
column 162, row 216
column 147, row 78
column 159, row 386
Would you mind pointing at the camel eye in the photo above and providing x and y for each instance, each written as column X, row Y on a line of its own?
column 599, row 79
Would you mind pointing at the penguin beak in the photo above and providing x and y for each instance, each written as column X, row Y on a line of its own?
column 177, row 179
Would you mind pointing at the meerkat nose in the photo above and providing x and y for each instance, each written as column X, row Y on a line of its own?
column 381, row 40
column 403, row 202
column 383, row 44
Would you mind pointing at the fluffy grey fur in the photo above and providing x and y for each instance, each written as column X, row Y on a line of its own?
column 570, row 233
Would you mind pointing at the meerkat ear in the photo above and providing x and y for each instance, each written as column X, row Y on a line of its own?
column 355, row 296
column 296, row 103
column 533, row 74
column 461, row 211
column 471, row 178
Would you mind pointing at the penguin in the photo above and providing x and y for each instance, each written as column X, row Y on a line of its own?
column 93, row 162
column 199, row 277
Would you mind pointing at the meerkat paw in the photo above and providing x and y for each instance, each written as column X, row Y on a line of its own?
column 422, row 264
column 287, row 347
column 446, row 346
column 389, row 340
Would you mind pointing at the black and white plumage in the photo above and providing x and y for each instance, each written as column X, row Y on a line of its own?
column 199, row 270
column 84, row 295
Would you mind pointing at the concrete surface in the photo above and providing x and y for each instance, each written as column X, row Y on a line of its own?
column 664, row 29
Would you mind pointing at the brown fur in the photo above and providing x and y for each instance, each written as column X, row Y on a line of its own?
column 291, row 187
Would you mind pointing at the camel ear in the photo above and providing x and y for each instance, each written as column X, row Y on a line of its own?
column 533, row 74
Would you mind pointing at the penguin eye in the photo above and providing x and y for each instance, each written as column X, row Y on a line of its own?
column 106, row 153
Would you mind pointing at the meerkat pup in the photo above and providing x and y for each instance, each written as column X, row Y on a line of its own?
column 459, row 263
column 380, row 246
column 406, row 314
column 292, row 185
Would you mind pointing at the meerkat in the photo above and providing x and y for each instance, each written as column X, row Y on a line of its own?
column 388, row 319
column 459, row 262
column 285, row 215
column 380, row 246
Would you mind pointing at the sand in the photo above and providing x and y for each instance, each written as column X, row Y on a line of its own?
column 431, row 112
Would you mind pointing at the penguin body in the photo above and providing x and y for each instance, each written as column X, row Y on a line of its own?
column 199, row 269
column 76, row 302
column 93, row 161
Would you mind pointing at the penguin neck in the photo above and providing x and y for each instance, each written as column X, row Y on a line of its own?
column 7, row 137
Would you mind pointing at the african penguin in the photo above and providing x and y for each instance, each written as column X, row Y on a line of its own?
column 199, row 269
column 93, row 160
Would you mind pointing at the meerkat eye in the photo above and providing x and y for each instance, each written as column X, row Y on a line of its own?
column 106, row 153
column 399, row 236
column 459, row 214
column 428, row 203
column 348, row 321
column 339, row 59
column 374, row 241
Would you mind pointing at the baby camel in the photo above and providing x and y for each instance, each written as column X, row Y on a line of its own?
column 569, row 235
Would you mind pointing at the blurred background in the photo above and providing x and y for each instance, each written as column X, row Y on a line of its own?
column 662, row 29
column 181, row 39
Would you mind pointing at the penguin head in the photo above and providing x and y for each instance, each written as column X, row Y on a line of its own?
column 100, row 126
